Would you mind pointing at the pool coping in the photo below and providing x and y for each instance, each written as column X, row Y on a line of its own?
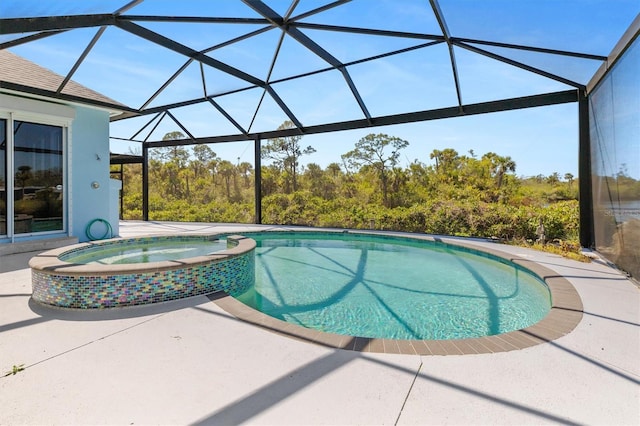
column 49, row 262
column 565, row 314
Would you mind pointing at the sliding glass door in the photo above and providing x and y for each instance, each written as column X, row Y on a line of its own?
column 37, row 177
column 31, row 177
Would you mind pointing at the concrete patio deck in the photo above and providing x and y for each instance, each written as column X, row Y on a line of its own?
column 191, row 362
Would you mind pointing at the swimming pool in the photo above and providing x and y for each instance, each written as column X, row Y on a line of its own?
column 391, row 287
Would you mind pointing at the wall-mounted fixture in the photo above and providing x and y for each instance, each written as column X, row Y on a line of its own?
column 95, row 185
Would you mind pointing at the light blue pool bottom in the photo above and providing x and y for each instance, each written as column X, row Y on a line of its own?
column 391, row 287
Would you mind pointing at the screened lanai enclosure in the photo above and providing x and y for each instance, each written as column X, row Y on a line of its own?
column 247, row 72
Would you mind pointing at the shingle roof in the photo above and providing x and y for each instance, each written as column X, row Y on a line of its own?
column 16, row 70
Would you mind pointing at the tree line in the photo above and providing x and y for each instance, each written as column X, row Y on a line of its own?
column 456, row 194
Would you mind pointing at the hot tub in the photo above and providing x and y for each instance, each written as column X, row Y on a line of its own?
column 94, row 285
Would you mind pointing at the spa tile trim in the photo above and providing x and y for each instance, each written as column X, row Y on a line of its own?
column 61, row 284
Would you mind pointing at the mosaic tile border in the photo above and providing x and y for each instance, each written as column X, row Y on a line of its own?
column 96, row 286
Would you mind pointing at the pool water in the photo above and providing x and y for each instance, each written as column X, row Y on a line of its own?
column 380, row 287
column 145, row 251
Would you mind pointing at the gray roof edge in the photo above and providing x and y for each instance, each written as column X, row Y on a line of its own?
column 42, row 94
column 21, row 75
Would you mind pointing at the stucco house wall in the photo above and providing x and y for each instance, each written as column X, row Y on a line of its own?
column 87, row 194
column 89, row 163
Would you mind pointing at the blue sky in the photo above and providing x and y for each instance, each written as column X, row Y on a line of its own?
column 540, row 140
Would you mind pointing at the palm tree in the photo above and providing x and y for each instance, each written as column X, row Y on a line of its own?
column 227, row 170
column 499, row 166
column 569, row 178
column 23, row 176
column 505, row 164
column 245, row 168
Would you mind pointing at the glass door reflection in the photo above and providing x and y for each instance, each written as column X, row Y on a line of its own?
column 37, row 177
